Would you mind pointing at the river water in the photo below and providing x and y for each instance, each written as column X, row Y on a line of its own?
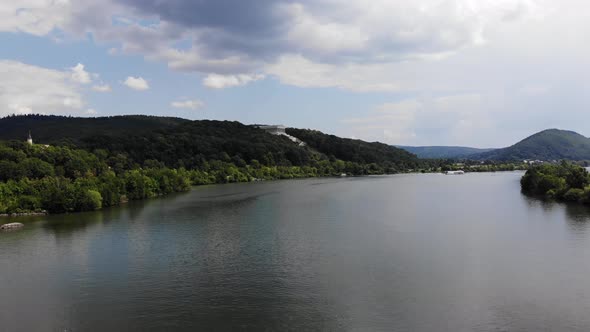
column 389, row 253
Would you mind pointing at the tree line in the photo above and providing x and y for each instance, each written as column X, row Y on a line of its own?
column 134, row 157
column 61, row 179
column 564, row 181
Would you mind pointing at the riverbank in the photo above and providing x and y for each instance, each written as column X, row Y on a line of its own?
column 563, row 182
column 61, row 179
column 124, row 199
column 23, row 214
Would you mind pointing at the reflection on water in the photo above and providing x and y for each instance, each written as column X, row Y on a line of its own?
column 577, row 216
column 67, row 225
column 578, row 219
column 407, row 253
column 577, row 212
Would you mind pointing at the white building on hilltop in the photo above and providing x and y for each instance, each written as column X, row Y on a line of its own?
column 279, row 130
column 275, row 129
column 30, row 141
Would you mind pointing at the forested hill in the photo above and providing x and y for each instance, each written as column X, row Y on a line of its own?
column 445, row 152
column 92, row 163
column 52, row 128
column 176, row 142
column 550, row 144
column 353, row 149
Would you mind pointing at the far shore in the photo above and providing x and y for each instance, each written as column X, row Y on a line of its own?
column 45, row 213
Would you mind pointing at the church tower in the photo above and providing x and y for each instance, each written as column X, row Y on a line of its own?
column 30, row 139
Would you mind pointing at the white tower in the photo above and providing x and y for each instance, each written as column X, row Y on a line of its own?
column 30, row 139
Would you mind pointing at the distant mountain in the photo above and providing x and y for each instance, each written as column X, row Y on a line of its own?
column 443, row 152
column 550, row 144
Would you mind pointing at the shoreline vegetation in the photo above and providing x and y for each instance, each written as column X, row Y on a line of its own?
column 564, row 182
column 39, row 180
column 85, row 164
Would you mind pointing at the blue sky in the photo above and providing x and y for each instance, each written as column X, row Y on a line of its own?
column 427, row 72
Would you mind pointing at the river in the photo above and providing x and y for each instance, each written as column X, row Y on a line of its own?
column 412, row 252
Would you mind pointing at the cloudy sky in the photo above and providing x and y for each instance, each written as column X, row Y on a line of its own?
column 481, row 73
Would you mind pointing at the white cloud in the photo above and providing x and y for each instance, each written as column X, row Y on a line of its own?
column 70, row 102
column 215, row 81
column 37, row 17
column 136, row 83
column 324, row 37
column 389, row 122
column 102, row 88
column 353, row 34
column 534, row 89
column 189, row 104
column 453, row 119
column 524, row 58
column 79, row 75
column 299, row 71
column 28, row 89
column 91, row 111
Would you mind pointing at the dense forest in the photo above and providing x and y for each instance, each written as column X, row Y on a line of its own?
column 90, row 168
column 564, row 181
column 357, row 151
column 79, row 164
column 63, row 179
column 55, row 129
column 183, row 143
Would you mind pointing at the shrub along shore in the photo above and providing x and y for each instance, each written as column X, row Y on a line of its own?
column 563, row 182
column 58, row 179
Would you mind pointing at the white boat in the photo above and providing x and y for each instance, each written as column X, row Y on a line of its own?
column 454, row 172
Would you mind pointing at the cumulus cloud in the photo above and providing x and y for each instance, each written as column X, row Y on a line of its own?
column 80, row 75
column 136, row 83
column 298, row 71
column 215, row 81
column 511, row 52
column 231, row 37
column 452, row 119
column 102, row 88
column 188, row 104
column 389, row 122
column 334, row 30
column 37, row 17
column 28, row 89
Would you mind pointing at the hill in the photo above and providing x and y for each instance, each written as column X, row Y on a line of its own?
column 550, row 144
column 53, row 128
column 179, row 142
column 97, row 162
column 443, row 152
column 354, row 150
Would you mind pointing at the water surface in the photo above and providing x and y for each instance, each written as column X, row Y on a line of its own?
column 398, row 253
